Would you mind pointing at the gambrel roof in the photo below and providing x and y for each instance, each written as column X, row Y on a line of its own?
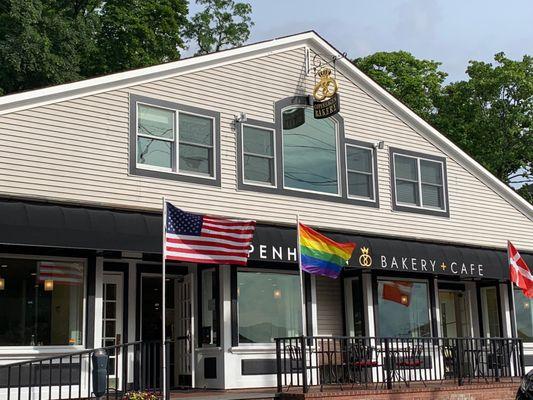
column 312, row 40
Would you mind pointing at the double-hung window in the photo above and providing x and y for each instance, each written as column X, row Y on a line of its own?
column 360, row 171
column 174, row 141
column 419, row 183
column 258, row 152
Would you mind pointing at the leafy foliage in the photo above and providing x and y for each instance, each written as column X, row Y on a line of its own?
column 415, row 82
column 490, row 116
column 222, row 23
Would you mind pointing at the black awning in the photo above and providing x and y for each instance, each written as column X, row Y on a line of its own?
column 78, row 227
column 75, row 227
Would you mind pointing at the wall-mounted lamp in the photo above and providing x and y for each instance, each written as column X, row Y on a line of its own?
column 242, row 117
column 48, row 285
column 277, row 294
column 526, row 304
column 379, row 145
column 2, row 283
column 404, row 299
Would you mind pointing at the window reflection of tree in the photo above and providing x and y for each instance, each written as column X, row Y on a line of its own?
column 149, row 131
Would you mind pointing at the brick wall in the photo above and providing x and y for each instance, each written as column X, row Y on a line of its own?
column 505, row 391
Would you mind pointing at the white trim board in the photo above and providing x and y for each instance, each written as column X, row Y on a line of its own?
column 54, row 94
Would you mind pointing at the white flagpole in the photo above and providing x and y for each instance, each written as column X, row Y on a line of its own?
column 163, row 303
column 514, row 332
column 302, row 293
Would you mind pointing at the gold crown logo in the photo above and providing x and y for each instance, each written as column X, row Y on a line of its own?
column 364, row 250
column 324, row 73
column 365, row 259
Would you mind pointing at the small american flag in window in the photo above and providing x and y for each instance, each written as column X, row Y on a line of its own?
column 207, row 240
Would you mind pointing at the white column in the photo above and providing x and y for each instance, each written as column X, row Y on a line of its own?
column 98, row 306
column 368, row 303
column 224, row 362
column 437, row 307
column 505, row 306
column 314, row 309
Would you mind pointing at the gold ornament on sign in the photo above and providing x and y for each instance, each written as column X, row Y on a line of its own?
column 365, row 259
column 326, row 87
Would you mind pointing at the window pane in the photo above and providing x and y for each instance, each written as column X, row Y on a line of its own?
column 259, row 169
column 310, row 155
column 156, row 122
column 195, row 129
column 358, row 159
column 360, row 185
column 406, row 192
column 524, row 315
column 209, row 307
column 196, row 159
column 269, row 306
column 406, row 168
column 33, row 316
column 403, row 309
column 258, row 141
column 154, row 152
column 432, row 196
column 431, row 172
column 490, row 312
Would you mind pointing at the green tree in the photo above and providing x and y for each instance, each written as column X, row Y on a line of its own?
column 41, row 43
column 221, row 24
column 490, row 116
column 417, row 83
column 137, row 33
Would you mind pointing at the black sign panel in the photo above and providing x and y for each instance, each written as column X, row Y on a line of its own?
column 276, row 244
column 327, row 108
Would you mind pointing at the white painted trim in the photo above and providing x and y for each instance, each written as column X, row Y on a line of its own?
column 311, row 39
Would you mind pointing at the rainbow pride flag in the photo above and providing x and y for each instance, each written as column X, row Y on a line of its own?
column 320, row 255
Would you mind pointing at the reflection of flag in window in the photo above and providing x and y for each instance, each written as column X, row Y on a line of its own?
column 398, row 291
column 61, row 273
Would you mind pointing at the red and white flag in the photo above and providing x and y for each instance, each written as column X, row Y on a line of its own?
column 519, row 271
column 398, row 292
column 207, row 240
column 62, row 273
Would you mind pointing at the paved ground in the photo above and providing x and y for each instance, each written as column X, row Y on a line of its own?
column 250, row 394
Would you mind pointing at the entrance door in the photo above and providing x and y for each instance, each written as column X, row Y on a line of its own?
column 454, row 316
column 185, row 332
column 112, row 306
column 178, row 320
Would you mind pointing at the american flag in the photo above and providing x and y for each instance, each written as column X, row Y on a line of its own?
column 205, row 239
column 61, row 272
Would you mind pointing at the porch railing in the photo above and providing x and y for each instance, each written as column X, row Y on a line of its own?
column 132, row 366
column 370, row 362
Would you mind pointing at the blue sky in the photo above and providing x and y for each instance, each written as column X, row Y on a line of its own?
column 451, row 31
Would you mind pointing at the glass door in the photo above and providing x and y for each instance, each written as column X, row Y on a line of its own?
column 112, row 306
column 490, row 311
column 454, row 315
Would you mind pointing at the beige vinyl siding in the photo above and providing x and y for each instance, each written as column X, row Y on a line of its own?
column 329, row 306
column 77, row 151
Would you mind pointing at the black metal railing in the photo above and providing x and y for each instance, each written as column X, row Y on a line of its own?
column 134, row 366
column 369, row 362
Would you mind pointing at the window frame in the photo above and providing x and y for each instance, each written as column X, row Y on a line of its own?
column 257, row 125
column 421, row 209
column 279, row 188
column 54, row 348
column 174, row 172
column 373, row 174
column 337, row 151
column 236, row 323
column 401, row 279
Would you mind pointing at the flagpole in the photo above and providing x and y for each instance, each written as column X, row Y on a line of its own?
column 514, row 332
column 163, row 302
column 301, row 273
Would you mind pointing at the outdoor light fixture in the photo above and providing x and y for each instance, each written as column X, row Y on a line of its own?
column 48, row 285
column 379, row 145
column 404, row 299
column 242, row 117
column 2, row 283
column 277, row 293
column 526, row 305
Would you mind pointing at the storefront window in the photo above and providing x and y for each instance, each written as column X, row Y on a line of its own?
column 209, row 290
column 490, row 311
column 41, row 302
column 403, row 309
column 269, row 306
column 309, row 152
column 524, row 316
